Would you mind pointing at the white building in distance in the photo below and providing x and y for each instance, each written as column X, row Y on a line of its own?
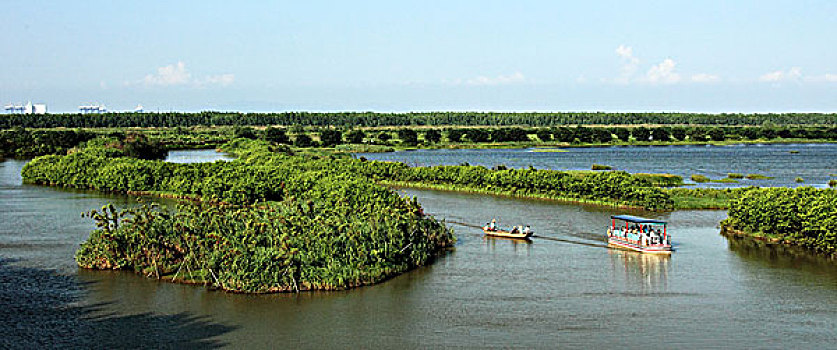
column 28, row 108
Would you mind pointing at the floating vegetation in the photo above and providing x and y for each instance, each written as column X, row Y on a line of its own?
column 832, row 183
column 793, row 152
column 758, row 177
column 602, row 167
column 726, row 181
column 799, row 179
column 699, row 178
column 735, row 176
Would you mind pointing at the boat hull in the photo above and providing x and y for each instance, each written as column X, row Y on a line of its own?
column 664, row 249
column 507, row 234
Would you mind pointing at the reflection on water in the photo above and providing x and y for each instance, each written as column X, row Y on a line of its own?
column 640, row 272
column 517, row 245
column 779, row 255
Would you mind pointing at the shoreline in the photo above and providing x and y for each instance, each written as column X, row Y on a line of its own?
column 553, row 145
column 730, row 232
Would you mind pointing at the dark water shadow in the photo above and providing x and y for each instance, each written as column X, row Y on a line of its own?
column 782, row 256
column 42, row 309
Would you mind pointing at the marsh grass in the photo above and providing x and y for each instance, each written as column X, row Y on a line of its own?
column 758, row 177
column 699, row 178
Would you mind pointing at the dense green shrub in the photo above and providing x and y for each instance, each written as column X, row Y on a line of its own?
column 803, row 216
column 333, row 233
column 277, row 135
column 331, row 137
column 138, row 145
column 355, row 136
column 20, row 142
column 303, row 140
column 432, row 136
column 408, row 136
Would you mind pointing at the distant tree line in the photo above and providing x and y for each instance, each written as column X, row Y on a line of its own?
column 330, row 137
column 370, row 119
column 30, row 142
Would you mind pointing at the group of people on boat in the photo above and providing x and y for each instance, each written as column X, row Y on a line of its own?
column 644, row 234
column 492, row 226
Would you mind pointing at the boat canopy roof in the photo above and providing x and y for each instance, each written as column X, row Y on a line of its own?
column 636, row 219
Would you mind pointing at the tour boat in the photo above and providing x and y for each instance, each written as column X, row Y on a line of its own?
column 639, row 234
column 496, row 232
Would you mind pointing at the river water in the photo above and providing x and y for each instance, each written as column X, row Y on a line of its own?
column 816, row 164
column 564, row 289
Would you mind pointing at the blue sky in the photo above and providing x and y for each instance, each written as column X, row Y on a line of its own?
column 707, row 56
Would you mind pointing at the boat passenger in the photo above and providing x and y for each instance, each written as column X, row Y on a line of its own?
column 527, row 230
column 514, row 229
column 493, row 225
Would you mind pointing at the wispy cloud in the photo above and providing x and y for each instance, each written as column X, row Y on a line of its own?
column 792, row 74
column 630, row 64
column 514, row 78
column 177, row 74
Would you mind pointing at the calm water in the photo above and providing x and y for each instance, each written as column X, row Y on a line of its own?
column 196, row 156
column 814, row 163
column 564, row 289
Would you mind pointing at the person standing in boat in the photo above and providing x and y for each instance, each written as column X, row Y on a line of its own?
column 527, row 230
column 493, row 225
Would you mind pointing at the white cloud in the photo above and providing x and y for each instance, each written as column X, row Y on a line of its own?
column 176, row 74
column 663, row 73
column 173, row 74
column 831, row 77
column 792, row 74
column 514, row 78
column 705, row 78
column 630, row 64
